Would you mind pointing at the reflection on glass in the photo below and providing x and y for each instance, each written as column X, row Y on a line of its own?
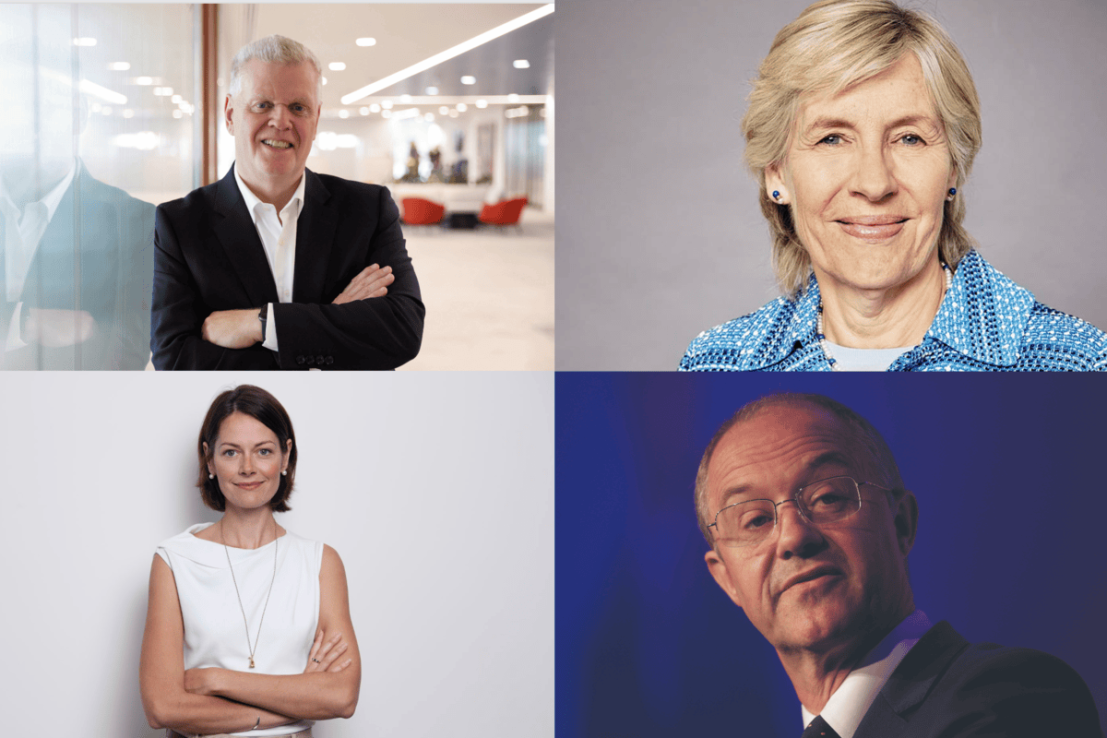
column 91, row 139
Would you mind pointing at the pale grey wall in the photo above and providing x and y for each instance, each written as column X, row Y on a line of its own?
column 659, row 235
column 435, row 488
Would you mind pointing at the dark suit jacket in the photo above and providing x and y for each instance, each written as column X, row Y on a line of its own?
column 95, row 256
column 208, row 257
column 947, row 688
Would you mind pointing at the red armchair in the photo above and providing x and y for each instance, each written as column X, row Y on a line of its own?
column 503, row 213
column 418, row 211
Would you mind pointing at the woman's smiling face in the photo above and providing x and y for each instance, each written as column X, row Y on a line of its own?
column 866, row 175
column 248, row 461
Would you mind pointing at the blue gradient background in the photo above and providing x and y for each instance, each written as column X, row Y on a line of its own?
column 1009, row 475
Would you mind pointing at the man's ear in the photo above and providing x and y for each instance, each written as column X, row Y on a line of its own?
column 906, row 521
column 717, row 567
column 228, row 114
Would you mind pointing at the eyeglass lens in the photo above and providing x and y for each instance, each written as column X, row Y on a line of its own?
column 826, row 501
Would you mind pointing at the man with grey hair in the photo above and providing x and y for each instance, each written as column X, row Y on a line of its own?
column 825, row 580
column 275, row 266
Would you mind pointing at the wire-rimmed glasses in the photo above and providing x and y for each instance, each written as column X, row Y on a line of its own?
column 751, row 522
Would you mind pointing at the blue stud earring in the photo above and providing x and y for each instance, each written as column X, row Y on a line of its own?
column 776, row 194
column 952, row 191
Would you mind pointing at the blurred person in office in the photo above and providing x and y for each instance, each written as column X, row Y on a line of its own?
column 75, row 254
column 275, row 266
column 825, row 581
column 862, row 129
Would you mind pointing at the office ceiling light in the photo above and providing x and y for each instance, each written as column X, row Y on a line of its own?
column 468, row 80
column 521, row 64
column 84, row 41
column 405, row 98
column 343, row 114
column 375, row 108
column 178, row 114
column 176, row 99
column 163, row 91
column 111, row 96
column 143, row 81
column 432, row 90
column 462, row 107
column 324, row 80
column 336, row 66
column 444, row 110
column 119, row 66
column 429, row 117
column 454, row 113
column 363, row 111
column 386, row 114
column 513, row 97
column 387, row 104
column 448, row 54
column 482, row 104
column 367, row 41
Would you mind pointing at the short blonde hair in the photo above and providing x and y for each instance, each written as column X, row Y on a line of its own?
column 274, row 50
column 831, row 46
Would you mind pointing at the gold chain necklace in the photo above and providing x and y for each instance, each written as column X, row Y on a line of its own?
column 240, row 607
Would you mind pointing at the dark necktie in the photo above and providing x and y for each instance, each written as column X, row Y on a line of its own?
column 819, row 729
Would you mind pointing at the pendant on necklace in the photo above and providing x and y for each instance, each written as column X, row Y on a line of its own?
column 251, row 662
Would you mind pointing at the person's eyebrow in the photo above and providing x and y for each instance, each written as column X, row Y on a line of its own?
column 914, row 119
column 826, row 458
column 259, row 444
column 735, row 491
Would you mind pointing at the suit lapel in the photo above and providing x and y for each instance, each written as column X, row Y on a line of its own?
column 911, row 682
column 314, row 240
column 240, row 241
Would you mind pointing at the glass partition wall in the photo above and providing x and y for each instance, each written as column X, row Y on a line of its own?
column 103, row 124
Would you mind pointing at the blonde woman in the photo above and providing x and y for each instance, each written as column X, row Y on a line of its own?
column 862, row 128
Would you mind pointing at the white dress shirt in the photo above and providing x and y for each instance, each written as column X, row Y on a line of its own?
column 278, row 237
column 23, row 233
column 849, row 703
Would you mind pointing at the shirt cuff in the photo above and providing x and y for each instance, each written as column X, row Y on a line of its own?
column 270, row 330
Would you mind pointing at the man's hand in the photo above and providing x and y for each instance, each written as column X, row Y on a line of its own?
column 324, row 653
column 58, row 328
column 233, row 329
column 372, row 282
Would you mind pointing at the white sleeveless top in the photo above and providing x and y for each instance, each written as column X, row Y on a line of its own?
column 214, row 633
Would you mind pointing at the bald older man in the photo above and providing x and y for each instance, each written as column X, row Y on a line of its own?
column 810, row 526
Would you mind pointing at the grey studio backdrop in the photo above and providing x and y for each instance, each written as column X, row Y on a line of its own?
column 659, row 233
column 436, row 490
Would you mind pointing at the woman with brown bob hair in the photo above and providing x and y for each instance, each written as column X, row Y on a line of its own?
column 248, row 628
column 862, row 128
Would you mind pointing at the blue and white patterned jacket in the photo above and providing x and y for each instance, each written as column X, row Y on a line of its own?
column 986, row 322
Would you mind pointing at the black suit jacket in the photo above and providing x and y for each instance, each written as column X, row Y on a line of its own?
column 208, row 257
column 95, row 256
column 948, row 688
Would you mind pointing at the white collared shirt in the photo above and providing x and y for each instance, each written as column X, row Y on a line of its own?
column 278, row 237
column 849, row 703
column 23, row 232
